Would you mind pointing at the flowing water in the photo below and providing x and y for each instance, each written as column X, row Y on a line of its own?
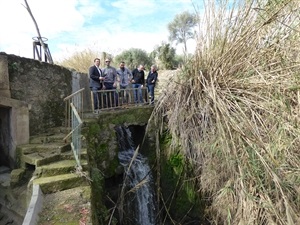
column 139, row 205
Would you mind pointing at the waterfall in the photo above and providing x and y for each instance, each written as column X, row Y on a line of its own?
column 139, row 204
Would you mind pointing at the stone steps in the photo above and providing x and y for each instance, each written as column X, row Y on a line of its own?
column 50, row 156
column 48, row 138
column 51, row 164
column 32, row 147
column 70, row 155
column 60, row 182
column 59, row 167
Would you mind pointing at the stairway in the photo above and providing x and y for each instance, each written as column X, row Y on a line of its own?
column 53, row 162
column 66, row 190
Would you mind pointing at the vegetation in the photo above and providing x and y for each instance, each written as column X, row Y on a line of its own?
column 81, row 61
column 165, row 56
column 181, row 28
column 134, row 57
column 233, row 111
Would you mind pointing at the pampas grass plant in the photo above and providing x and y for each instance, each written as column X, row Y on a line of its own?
column 234, row 111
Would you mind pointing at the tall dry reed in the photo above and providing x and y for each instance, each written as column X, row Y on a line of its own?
column 234, row 111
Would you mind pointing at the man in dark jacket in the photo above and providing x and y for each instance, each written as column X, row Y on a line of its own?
column 96, row 83
column 138, row 82
column 151, row 80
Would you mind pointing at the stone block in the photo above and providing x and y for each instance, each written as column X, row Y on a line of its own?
column 16, row 176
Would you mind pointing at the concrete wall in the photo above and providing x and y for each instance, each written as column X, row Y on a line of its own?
column 43, row 87
column 32, row 100
column 14, row 119
column 14, row 128
column 79, row 81
column 4, row 79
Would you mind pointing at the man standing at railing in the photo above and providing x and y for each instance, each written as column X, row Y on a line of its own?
column 138, row 82
column 124, row 78
column 110, row 83
column 96, row 79
column 151, row 80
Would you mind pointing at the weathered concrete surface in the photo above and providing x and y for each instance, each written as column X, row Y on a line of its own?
column 14, row 117
column 35, row 206
column 79, row 81
column 43, row 87
column 4, row 81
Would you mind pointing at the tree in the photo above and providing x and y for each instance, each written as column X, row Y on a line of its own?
column 181, row 28
column 134, row 57
column 165, row 55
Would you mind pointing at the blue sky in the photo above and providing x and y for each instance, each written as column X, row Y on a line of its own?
column 100, row 25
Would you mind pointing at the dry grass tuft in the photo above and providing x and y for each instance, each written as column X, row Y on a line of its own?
column 81, row 61
column 234, row 110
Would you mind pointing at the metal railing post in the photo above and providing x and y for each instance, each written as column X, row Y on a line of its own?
column 74, row 113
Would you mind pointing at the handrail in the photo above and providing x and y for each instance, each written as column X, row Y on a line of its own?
column 73, row 94
column 78, row 119
column 74, row 112
column 119, row 98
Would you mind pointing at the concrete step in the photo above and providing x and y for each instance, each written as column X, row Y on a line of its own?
column 59, row 130
column 70, row 155
column 60, row 182
column 41, row 158
column 59, row 167
column 48, row 147
column 41, row 154
column 46, row 156
column 47, row 138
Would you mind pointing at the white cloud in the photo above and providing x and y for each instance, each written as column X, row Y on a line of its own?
column 74, row 25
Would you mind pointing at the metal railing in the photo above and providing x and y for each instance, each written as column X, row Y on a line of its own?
column 74, row 113
column 119, row 98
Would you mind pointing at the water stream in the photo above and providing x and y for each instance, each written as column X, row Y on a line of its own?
column 139, row 204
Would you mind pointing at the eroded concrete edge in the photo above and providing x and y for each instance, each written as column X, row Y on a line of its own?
column 35, row 206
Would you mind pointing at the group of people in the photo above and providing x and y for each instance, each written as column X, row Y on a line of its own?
column 110, row 78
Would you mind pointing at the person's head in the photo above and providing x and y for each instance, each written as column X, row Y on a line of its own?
column 122, row 65
column 141, row 67
column 153, row 68
column 97, row 61
column 107, row 61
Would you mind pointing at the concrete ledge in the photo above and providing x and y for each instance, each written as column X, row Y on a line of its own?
column 35, row 206
column 14, row 103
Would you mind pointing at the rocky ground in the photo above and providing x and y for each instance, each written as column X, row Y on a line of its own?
column 71, row 206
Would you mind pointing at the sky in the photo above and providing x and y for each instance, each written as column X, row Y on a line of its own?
column 101, row 25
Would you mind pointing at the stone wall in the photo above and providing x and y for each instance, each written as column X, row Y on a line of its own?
column 102, row 149
column 43, row 87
